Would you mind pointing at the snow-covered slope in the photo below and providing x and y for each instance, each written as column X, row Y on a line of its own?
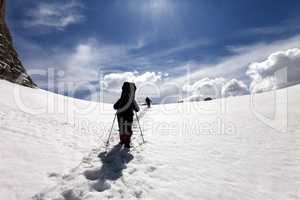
column 236, row 148
column 41, row 133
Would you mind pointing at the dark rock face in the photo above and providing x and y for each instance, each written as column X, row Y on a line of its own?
column 11, row 67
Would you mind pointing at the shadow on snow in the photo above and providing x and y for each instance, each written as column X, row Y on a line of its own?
column 114, row 162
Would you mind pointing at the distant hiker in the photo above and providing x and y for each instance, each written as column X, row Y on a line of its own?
column 125, row 107
column 208, row 99
column 148, row 102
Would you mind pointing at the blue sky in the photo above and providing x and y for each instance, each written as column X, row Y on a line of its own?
column 159, row 36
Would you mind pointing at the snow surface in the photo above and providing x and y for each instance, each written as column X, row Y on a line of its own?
column 236, row 148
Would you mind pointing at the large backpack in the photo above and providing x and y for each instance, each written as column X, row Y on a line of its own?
column 126, row 102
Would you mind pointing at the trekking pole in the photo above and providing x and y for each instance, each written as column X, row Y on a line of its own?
column 112, row 126
column 137, row 117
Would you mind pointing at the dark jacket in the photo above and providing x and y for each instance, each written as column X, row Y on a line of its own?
column 126, row 108
column 126, row 105
column 148, row 101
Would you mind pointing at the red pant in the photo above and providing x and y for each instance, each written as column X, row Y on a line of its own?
column 125, row 139
column 125, row 128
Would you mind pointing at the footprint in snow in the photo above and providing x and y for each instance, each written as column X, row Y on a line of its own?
column 138, row 194
column 68, row 177
column 101, row 186
column 54, row 175
column 92, row 174
column 132, row 171
column 151, row 169
column 72, row 195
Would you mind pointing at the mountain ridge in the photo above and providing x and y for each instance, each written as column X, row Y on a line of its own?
column 11, row 67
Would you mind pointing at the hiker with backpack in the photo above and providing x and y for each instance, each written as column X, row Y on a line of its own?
column 126, row 106
column 148, row 102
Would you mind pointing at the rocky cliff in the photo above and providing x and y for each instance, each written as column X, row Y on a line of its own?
column 11, row 67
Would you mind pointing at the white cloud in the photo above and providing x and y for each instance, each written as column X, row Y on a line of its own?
column 234, row 88
column 287, row 26
column 148, row 84
column 214, row 88
column 114, row 81
column 233, row 66
column 87, row 60
column 207, row 87
column 83, row 66
column 78, row 65
column 55, row 14
column 279, row 69
column 83, row 61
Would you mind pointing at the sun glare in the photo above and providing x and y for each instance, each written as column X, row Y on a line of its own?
column 157, row 4
column 158, row 8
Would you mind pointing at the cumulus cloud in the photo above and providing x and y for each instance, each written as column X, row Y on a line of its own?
column 148, row 84
column 114, row 81
column 234, row 88
column 56, row 14
column 87, row 63
column 207, row 87
column 278, row 70
column 237, row 64
column 214, row 88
